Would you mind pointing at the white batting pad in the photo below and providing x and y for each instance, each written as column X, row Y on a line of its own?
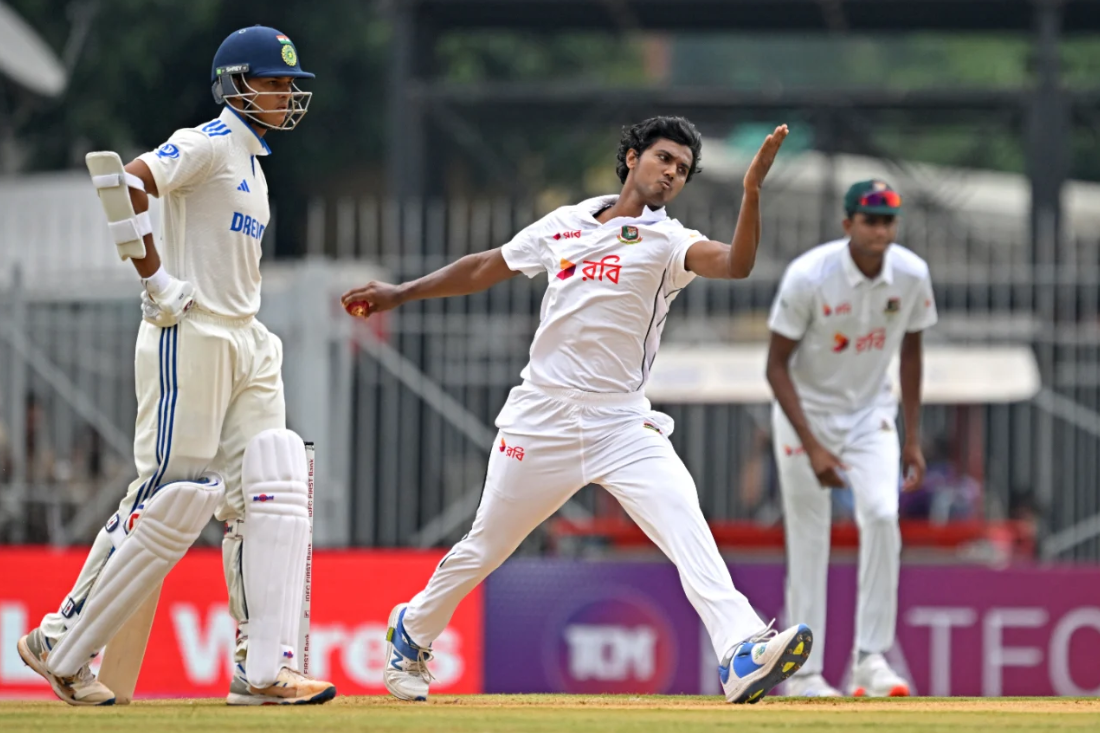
column 274, row 477
column 161, row 531
column 112, row 182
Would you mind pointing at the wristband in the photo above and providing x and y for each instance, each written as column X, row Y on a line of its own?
column 156, row 283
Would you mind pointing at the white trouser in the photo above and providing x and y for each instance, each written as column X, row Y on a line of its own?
column 205, row 388
column 867, row 443
column 551, row 444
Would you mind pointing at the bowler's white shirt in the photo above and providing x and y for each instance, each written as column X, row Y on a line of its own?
column 610, row 287
column 849, row 326
column 215, row 211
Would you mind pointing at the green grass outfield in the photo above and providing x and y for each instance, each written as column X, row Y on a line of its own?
column 603, row 713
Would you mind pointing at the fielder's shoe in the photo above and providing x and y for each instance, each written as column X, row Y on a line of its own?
column 406, row 675
column 290, row 688
column 759, row 664
column 810, row 685
column 872, row 677
column 81, row 689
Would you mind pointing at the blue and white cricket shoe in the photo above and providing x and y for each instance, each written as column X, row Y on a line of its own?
column 406, row 675
column 762, row 662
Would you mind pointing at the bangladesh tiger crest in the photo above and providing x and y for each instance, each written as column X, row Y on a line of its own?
column 630, row 235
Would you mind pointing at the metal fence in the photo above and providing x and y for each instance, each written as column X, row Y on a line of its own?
column 1037, row 458
column 426, row 381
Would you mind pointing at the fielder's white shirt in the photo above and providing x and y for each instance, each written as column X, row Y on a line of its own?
column 849, row 326
column 215, row 211
column 610, row 287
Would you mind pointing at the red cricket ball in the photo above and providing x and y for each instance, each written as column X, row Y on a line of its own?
column 358, row 308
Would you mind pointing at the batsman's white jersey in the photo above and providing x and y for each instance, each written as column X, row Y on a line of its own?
column 209, row 384
column 581, row 416
column 849, row 328
column 215, row 211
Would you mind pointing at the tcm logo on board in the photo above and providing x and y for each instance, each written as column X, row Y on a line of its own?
column 611, row 653
column 618, row 644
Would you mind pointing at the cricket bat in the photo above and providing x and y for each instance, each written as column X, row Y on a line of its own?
column 124, row 653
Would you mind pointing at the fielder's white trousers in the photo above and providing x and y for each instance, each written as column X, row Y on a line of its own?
column 205, row 388
column 867, row 443
column 568, row 439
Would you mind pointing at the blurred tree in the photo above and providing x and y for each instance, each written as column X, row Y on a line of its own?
column 145, row 71
column 506, row 150
column 576, row 57
column 914, row 61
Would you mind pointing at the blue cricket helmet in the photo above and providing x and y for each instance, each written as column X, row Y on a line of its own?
column 261, row 50
column 258, row 51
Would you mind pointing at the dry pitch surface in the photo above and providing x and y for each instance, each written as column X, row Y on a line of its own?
column 606, row 714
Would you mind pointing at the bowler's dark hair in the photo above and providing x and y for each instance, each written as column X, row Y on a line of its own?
column 640, row 137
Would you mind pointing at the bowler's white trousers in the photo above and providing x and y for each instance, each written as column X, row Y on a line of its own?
column 552, row 443
column 205, row 387
column 867, row 443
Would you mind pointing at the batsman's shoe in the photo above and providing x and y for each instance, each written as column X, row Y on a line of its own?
column 762, row 662
column 810, row 685
column 406, row 676
column 872, row 677
column 290, row 688
column 81, row 689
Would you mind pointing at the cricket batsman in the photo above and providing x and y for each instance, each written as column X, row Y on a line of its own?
column 614, row 265
column 211, row 437
column 843, row 310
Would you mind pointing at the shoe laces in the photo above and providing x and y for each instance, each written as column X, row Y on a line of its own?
column 763, row 636
column 82, row 677
column 420, row 666
column 766, row 635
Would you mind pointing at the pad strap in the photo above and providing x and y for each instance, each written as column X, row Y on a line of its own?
column 132, row 229
column 112, row 180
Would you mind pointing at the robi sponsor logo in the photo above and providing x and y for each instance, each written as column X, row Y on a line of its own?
column 247, row 225
column 874, row 341
column 617, row 644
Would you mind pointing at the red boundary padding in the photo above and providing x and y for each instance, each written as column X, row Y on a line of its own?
column 751, row 536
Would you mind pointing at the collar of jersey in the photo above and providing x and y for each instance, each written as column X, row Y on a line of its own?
column 254, row 143
column 589, row 208
column 855, row 277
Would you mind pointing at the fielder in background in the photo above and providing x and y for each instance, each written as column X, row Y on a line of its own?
column 210, row 398
column 614, row 264
column 842, row 311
